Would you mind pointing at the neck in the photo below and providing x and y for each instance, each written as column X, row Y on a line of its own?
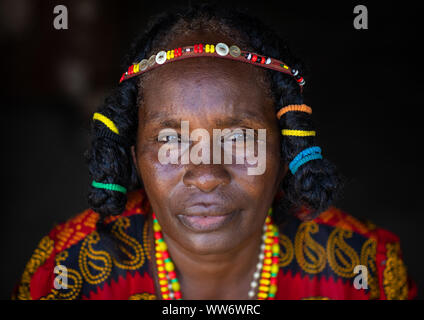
column 220, row 276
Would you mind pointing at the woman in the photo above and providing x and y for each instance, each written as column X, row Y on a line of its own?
column 161, row 229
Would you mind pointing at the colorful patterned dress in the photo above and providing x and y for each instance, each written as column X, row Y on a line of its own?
column 317, row 259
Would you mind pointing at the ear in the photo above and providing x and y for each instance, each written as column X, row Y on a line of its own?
column 134, row 158
column 282, row 172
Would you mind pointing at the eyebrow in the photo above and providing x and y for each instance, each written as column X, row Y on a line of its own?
column 244, row 120
column 166, row 119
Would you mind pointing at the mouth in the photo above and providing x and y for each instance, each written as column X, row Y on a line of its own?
column 206, row 222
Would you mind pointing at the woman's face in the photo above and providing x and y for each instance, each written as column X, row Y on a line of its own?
column 207, row 208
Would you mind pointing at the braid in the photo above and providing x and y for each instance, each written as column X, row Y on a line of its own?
column 109, row 157
column 315, row 183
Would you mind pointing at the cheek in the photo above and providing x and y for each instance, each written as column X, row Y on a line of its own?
column 158, row 180
column 259, row 190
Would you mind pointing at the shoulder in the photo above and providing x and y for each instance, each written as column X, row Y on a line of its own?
column 79, row 227
column 79, row 245
column 339, row 246
column 381, row 253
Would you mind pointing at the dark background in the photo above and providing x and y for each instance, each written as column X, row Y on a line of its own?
column 365, row 87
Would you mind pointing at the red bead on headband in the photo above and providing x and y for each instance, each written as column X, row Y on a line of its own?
column 221, row 50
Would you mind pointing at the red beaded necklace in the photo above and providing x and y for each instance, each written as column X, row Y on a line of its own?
column 266, row 271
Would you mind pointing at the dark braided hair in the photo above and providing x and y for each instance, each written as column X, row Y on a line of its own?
column 315, row 184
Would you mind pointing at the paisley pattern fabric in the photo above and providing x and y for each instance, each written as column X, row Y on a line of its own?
column 318, row 259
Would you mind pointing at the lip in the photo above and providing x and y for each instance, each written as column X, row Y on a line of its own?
column 205, row 209
column 206, row 222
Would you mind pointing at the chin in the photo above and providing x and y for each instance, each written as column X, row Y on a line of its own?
column 213, row 242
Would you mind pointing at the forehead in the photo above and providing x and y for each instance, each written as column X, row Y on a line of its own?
column 213, row 87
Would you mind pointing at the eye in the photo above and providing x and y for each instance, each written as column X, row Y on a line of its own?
column 234, row 136
column 171, row 137
column 240, row 135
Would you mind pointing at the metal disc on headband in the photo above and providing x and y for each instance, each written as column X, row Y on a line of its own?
column 235, row 51
column 143, row 64
column 151, row 60
column 222, row 49
column 161, row 57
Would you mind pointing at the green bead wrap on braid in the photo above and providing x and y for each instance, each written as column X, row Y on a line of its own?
column 109, row 186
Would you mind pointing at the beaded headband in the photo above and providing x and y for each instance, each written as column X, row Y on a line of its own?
column 220, row 50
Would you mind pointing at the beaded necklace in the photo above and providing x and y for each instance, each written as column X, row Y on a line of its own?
column 266, row 269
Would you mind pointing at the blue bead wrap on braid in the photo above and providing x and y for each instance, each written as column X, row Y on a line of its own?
column 304, row 156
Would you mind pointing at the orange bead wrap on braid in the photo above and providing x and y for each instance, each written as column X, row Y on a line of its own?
column 294, row 107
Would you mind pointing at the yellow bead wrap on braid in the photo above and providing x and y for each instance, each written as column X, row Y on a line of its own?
column 106, row 121
column 297, row 133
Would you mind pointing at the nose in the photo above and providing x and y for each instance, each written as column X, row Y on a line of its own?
column 206, row 177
